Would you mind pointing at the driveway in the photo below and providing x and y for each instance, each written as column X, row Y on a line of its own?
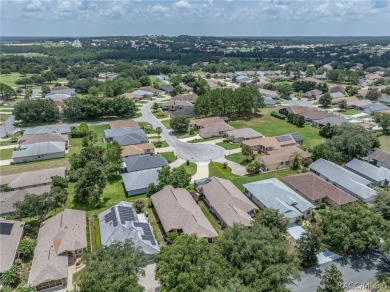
column 202, row 171
column 237, row 169
column 148, row 281
column 187, row 151
column 5, row 162
column 359, row 267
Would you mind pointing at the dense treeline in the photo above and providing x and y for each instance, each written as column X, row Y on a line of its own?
column 226, row 102
column 36, row 111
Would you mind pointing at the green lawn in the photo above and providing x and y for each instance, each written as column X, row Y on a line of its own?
column 75, row 145
column 191, row 169
column 160, row 115
column 161, row 144
column 228, row 146
column 239, row 158
column 271, row 126
column 99, row 129
column 350, row 112
column 10, row 79
column 166, row 123
column 8, row 142
column 22, row 167
column 147, row 127
column 210, row 216
column 385, row 142
column 169, row 156
column 3, row 117
column 216, row 169
column 6, row 153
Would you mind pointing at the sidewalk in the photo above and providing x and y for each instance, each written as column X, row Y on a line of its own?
column 237, row 169
column 178, row 162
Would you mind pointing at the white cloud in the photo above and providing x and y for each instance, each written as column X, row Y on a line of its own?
column 159, row 8
column 183, row 4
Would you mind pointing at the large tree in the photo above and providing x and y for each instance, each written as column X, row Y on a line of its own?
column 113, row 268
column 179, row 124
column 177, row 177
column 191, row 264
column 331, row 280
column 7, row 92
column 325, row 99
column 309, row 244
column 382, row 203
column 36, row 111
column 383, row 120
column 246, row 150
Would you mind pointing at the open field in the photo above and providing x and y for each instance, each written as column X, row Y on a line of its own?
column 22, row 167
column 271, row 126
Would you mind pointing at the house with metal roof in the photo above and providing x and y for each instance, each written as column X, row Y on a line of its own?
column 39, row 151
column 226, row 201
column 61, row 238
column 178, row 212
column 384, row 99
column 375, row 107
column 344, row 179
column 377, row 175
column 166, row 88
column 125, row 136
column 59, row 129
column 121, row 222
column 11, row 233
column 269, row 102
column 379, row 158
column 142, row 93
column 142, row 162
column 273, row 194
column 137, row 182
column 336, row 94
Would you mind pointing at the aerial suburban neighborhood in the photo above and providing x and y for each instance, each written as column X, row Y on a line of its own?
column 194, row 163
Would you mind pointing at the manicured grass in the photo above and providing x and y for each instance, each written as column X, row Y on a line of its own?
column 6, row 153
column 160, row 115
column 350, row 112
column 204, row 139
column 191, row 168
column 169, row 156
column 153, row 220
column 75, row 145
column 239, row 158
column 147, row 127
column 9, row 79
column 270, row 126
column 99, row 130
column 8, row 142
column 166, row 123
column 22, row 167
column 98, row 242
column 216, row 169
column 161, row 144
column 385, row 142
column 3, row 117
column 228, row 146
column 210, row 216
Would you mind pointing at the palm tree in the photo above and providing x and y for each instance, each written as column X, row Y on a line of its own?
column 296, row 161
column 246, row 150
column 158, row 131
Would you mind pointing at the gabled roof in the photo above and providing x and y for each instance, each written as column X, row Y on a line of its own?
column 314, row 92
column 60, row 129
column 269, row 93
column 142, row 162
column 374, row 107
column 333, row 121
column 348, row 180
column 315, row 188
column 246, row 133
column 346, row 98
column 138, row 149
column 283, row 154
column 177, row 210
column 166, row 88
column 228, row 201
column 216, row 128
column 376, row 174
column 122, row 131
column 317, row 115
column 191, row 97
column 141, row 92
column 40, row 149
column 38, row 138
column 381, row 156
column 137, row 180
column 121, row 222
column 11, row 233
column 57, row 236
column 123, row 124
column 206, row 121
column 337, row 94
column 272, row 193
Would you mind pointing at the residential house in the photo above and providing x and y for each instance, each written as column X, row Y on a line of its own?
column 152, row 90
column 239, row 135
column 123, row 124
column 191, row 97
column 243, row 79
column 337, row 100
column 344, row 179
column 384, row 100
column 202, row 123
column 27, row 140
column 269, row 93
column 137, row 182
column 178, row 212
column 273, row 194
column 281, row 158
column 62, row 92
column 166, row 88
column 188, row 112
column 132, row 96
column 39, row 151
column 375, row 107
column 11, row 232
column 143, row 93
column 61, row 239
column 58, row 129
column 107, row 76
column 176, row 105
column 337, row 94
column 317, row 190
column 160, row 78
column 363, row 92
column 315, row 93
column 214, row 130
column 269, row 102
column 337, row 88
column 125, row 136
column 142, row 162
column 226, row 201
column 332, row 120
column 186, row 87
column 121, row 222
column 139, row 149
column 379, row 176
column 296, row 110
column 267, row 144
column 313, row 116
column 359, row 104
column 379, row 158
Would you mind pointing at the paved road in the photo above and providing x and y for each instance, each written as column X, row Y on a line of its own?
column 359, row 267
column 194, row 152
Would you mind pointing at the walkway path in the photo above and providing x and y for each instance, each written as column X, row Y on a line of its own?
column 9, row 146
column 5, row 162
column 187, row 151
column 237, row 169
column 178, row 162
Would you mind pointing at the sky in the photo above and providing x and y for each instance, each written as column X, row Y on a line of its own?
column 195, row 17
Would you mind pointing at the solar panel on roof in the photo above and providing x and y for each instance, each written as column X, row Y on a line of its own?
column 283, row 138
column 111, row 216
column 6, row 228
column 148, row 234
column 126, row 214
column 297, row 137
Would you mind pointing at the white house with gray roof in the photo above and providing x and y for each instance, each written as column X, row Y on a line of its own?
column 121, row 222
column 40, row 151
column 137, row 182
column 58, row 129
column 125, row 136
column 344, row 179
column 142, row 162
column 377, row 175
column 272, row 193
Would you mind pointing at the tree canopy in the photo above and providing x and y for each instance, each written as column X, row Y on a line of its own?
column 36, row 111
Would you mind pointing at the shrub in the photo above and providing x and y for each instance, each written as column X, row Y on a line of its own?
column 278, row 115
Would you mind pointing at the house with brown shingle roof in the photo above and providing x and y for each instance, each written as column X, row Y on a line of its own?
column 11, row 233
column 61, row 238
column 138, row 149
column 316, row 190
column 346, row 98
column 267, row 144
column 26, row 140
column 281, row 158
column 152, row 90
column 296, row 110
column 178, row 212
column 226, row 201
column 132, row 96
column 191, row 97
column 214, row 130
column 201, row 123
column 123, row 124
column 239, row 135
column 379, row 158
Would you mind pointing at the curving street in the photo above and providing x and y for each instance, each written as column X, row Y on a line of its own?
column 186, row 151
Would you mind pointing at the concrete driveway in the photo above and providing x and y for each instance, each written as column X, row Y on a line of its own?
column 194, row 152
column 359, row 267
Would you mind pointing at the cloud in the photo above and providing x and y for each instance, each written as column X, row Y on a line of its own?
column 34, row 6
column 159, row 8
column 183, row 4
